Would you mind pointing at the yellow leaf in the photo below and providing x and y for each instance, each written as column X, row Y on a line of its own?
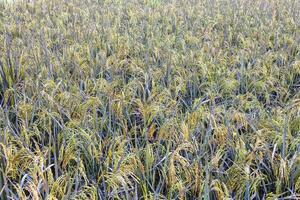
column 185, row 131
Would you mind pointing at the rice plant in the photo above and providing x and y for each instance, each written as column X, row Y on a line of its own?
column 149, row 99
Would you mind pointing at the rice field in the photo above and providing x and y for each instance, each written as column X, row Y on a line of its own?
column 149, row 99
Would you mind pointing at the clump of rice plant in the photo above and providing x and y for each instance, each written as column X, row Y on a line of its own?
column 149, row 99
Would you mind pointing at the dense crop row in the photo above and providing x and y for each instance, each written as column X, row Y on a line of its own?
column 150, row 99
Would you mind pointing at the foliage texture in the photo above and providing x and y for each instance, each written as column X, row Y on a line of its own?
column 150, row 99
